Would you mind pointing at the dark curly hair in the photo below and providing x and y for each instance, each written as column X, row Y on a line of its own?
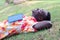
column 41, row 14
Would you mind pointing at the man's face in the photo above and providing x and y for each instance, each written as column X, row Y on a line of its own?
column 38, row 14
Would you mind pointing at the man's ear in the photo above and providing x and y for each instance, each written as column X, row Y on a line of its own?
column 32, row 11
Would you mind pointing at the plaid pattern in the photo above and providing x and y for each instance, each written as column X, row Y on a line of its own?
column 24, row 26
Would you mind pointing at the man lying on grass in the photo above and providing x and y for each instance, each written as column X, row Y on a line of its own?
column 16, row 24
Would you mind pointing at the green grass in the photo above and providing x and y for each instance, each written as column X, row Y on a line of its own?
column 51, row 34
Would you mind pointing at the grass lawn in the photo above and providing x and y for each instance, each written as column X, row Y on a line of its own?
column 52, row 6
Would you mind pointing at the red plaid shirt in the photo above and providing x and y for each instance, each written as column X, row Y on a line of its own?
column 24, row 26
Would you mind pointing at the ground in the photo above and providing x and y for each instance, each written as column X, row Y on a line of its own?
column 52, row 6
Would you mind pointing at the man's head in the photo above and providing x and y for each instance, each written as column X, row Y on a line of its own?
column 41, row 14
